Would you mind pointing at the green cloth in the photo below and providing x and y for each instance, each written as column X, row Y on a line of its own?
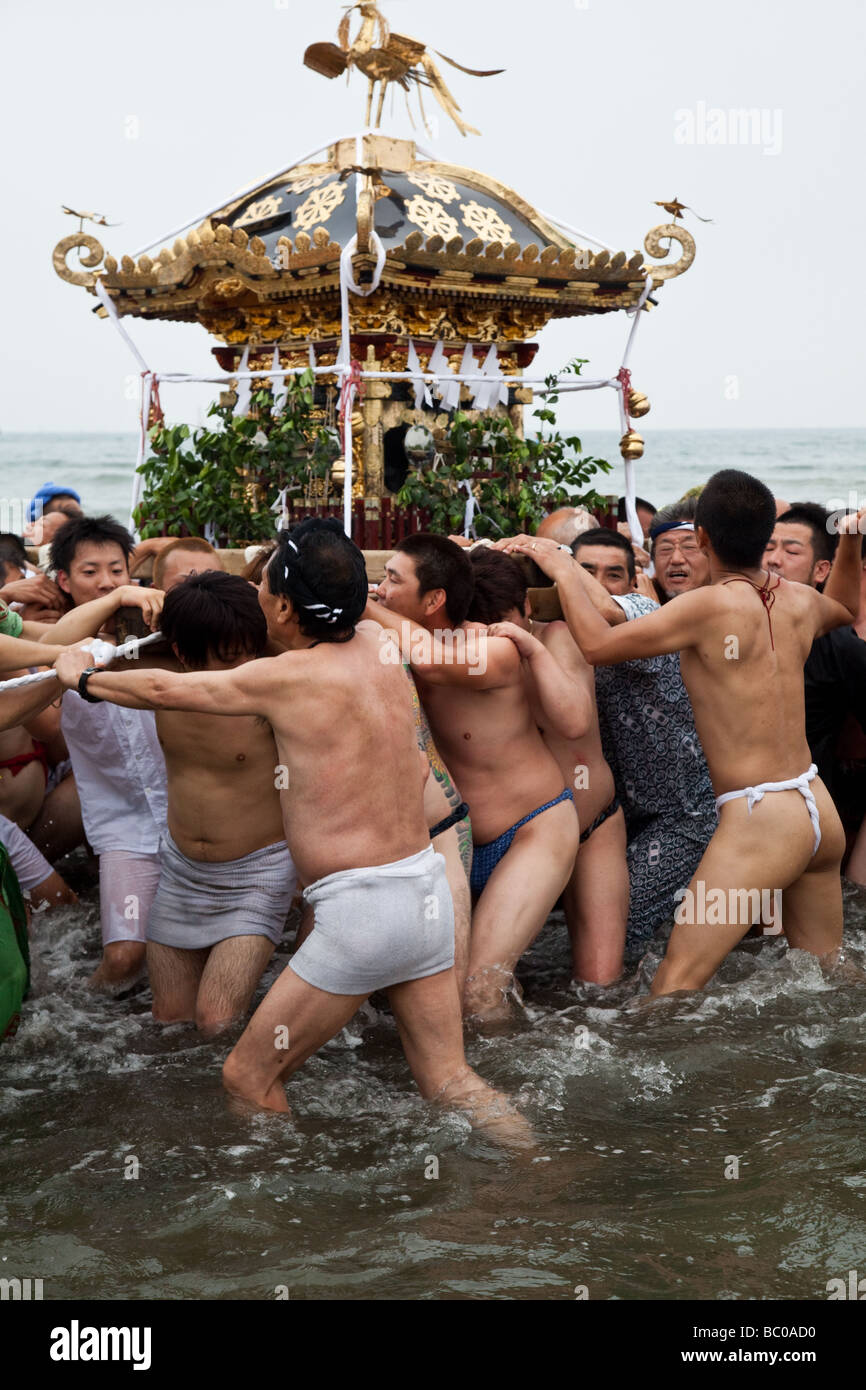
column 11, row 623
column 14, row 950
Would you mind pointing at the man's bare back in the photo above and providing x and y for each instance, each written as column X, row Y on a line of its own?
column 352, row 759
column 747, row 691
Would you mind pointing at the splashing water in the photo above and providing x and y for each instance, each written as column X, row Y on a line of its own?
column 707, row 1146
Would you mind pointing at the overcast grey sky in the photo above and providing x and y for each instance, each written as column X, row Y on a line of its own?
column 601, row 111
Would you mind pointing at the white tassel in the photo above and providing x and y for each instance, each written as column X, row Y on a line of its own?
column 489, row 392
column 280, row 388
column 469, row 511
column 245, row 387
column 281, row 507
column 422, row 391
column 437, row 365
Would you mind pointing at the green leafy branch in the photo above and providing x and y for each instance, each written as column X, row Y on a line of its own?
column 227, row 476
column 514, row 480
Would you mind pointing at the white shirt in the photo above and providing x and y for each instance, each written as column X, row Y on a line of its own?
column 30, row 865
column 120, row 774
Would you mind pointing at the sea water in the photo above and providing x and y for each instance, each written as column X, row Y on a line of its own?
column 707, row 1146
column 798, row 465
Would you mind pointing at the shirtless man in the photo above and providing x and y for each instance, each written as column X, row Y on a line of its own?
column 743, row 640
column 345, row 734
column 227, row 878
column 524, row 827
column 596, row 895
column 447, row 817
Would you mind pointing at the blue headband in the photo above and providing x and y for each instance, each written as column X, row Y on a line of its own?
column 656, row 531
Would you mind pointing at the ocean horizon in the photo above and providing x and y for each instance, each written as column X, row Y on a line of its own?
column 816, row 464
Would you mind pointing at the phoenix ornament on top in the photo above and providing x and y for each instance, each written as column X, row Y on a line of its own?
column 384, row 57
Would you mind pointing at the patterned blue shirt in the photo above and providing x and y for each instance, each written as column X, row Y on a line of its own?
column 649, row 739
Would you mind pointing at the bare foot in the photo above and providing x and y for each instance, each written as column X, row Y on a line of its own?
column 837, row 967
column 121, row 967
column 100, row 983
column 246, row 1096
column 493, row 1000
column 242, row 1106
column 488, row 1111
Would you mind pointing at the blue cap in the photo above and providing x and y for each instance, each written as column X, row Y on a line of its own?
column 45, row 494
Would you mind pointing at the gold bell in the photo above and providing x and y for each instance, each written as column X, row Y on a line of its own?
column 338, row 472
column 631, row 445
column 638, row 404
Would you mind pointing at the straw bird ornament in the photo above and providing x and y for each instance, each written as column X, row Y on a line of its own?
column 676, row 209
column 384, row 57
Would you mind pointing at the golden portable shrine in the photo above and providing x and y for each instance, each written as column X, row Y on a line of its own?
column 389, row 270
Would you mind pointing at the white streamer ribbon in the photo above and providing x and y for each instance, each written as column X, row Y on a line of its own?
column 344, row 356
column 281, row 507
column 422, row 390
column 470, row 509
column 279, row 385
column 245, row 385
column 487, row 395
column 449, row 392
column 438, row 367
column 111, row 309
column 634, row 525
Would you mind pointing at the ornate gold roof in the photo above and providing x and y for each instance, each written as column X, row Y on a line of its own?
column 266, row 265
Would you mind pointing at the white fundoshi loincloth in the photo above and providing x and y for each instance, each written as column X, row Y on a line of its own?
column 378, row 926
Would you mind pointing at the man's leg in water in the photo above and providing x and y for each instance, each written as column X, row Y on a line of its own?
column 58, row 828
column 596, row 904
column 427, row 1013
column 175, row 976
column 292, row 1022
column 127, row 888
column 812, row 906
column 234, row 968
column 515, row 904
column 448, row 845
column 455, row 845
column 771, row 849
